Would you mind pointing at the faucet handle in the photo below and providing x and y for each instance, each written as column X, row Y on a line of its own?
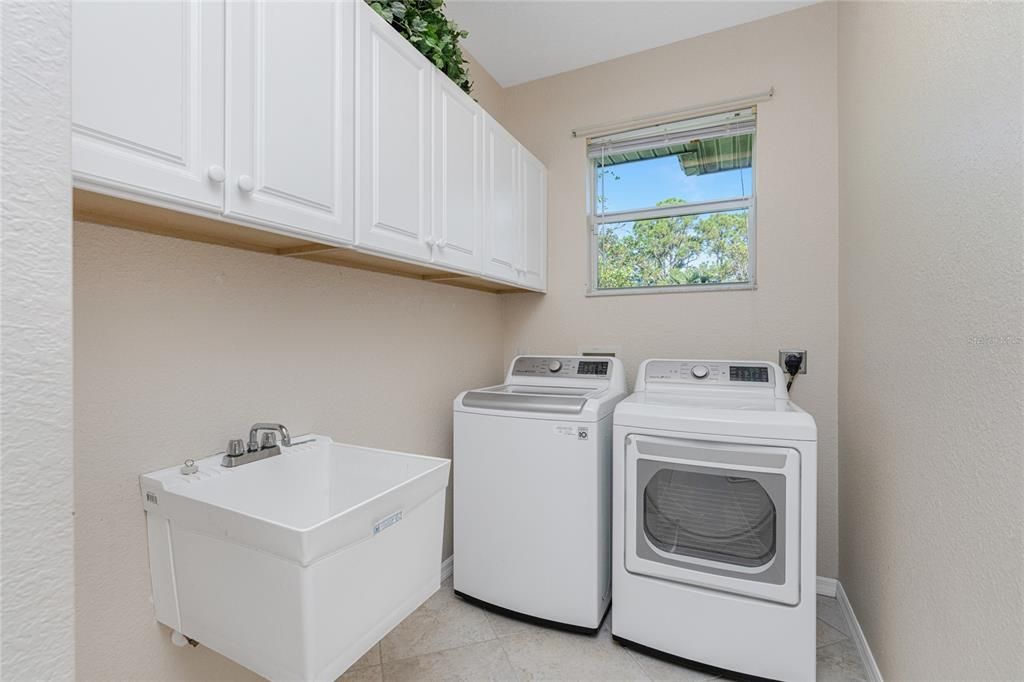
column 236, row 447
column 268, row 440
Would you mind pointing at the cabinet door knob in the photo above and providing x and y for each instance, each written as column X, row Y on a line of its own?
column 443, row 243
column 430, row 241
column 216, row 173
column 246, row 183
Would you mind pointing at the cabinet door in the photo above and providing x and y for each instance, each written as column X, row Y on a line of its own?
column 147, row 103
column 503, row 237
column 393, row 139
column 457, row 177
column 289, row 113
column 534, row 198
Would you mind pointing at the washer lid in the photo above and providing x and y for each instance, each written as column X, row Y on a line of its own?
column 522, row 398
column 751, row 416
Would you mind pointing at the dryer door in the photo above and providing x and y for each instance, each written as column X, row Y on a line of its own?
column 724, row 516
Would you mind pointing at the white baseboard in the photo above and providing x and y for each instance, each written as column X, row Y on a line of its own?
column 857, row 635
column 447, row 568
column 826, row 587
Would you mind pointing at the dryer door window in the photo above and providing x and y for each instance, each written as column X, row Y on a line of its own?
column 710, row 515
column 719, row 515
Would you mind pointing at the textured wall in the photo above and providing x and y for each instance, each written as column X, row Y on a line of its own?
column 795, row 303
column 931, row 399
column 180, row 346
column 36, row 561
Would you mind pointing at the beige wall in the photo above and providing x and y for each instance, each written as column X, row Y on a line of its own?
column 486, row 90
column 179, row 346
column 931, row 402
column 794, row 305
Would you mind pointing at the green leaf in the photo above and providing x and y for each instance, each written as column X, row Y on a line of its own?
column 424, row 24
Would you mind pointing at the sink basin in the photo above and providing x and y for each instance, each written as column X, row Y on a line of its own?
column 295, row 565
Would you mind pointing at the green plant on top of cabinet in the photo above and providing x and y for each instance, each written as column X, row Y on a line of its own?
column 424, row 24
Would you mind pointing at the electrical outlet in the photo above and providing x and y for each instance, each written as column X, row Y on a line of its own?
column 803, row 359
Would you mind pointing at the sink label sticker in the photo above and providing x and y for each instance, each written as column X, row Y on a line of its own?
column 577, row 432
column 387, row 522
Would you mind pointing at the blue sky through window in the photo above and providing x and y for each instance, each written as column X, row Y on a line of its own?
column 642, row 184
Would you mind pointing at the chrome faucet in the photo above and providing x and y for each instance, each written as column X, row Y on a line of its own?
column 286, row 440
column 257, row 448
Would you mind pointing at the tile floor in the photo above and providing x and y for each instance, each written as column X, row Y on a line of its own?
column 449, row 639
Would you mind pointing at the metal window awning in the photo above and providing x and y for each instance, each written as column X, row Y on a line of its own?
column 703, row 145
column 699, row 157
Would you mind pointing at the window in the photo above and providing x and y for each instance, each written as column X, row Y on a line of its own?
column 672, row 205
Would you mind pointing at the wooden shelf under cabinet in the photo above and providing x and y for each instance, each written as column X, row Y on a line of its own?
column 103, row 209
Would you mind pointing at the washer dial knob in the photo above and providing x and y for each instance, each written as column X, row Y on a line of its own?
column 554, row 365
column 700, row 372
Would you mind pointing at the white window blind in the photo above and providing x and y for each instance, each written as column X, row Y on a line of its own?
column 729, row 124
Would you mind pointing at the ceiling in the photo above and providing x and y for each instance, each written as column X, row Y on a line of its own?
column 522, row 40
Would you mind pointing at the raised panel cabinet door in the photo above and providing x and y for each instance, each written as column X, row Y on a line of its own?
column 147, row 100
column 503, row 227
column 458, row 176
column 534, row 193
column 393, row 139
column 290, row 115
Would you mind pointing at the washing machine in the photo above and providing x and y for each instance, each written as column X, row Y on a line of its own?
column 532, row 490
column 714, row 518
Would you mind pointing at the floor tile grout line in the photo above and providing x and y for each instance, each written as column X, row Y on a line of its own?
column 439, row 651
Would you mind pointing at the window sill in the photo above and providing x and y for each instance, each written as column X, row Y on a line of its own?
column 683, row 289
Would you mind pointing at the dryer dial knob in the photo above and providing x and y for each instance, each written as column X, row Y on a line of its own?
column 699, row 372
column 554, row 365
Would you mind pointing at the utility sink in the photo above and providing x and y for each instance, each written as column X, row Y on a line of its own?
column 295, row 565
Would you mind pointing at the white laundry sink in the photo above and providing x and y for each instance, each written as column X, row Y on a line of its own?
column 295, row 565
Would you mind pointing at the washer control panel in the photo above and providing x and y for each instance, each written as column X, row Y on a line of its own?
column 746, row 374
column 536, row 366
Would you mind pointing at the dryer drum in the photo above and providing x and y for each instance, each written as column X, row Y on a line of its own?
column 710, row 516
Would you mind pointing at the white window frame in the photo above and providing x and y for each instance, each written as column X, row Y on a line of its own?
column 595, row 220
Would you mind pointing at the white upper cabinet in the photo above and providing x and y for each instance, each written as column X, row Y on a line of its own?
column 312, row 118
column 503, row 227
column 457, row 177
column 290, row 115
column 393, row 130
column 148, row 100
column 534, row 201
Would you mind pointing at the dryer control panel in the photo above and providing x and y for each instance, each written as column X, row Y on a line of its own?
column 539, row 366
column 713, row 372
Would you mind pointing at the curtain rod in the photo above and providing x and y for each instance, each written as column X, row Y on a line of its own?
column 666, row 116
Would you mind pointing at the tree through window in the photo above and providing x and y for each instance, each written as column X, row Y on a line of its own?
column 672, row 205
